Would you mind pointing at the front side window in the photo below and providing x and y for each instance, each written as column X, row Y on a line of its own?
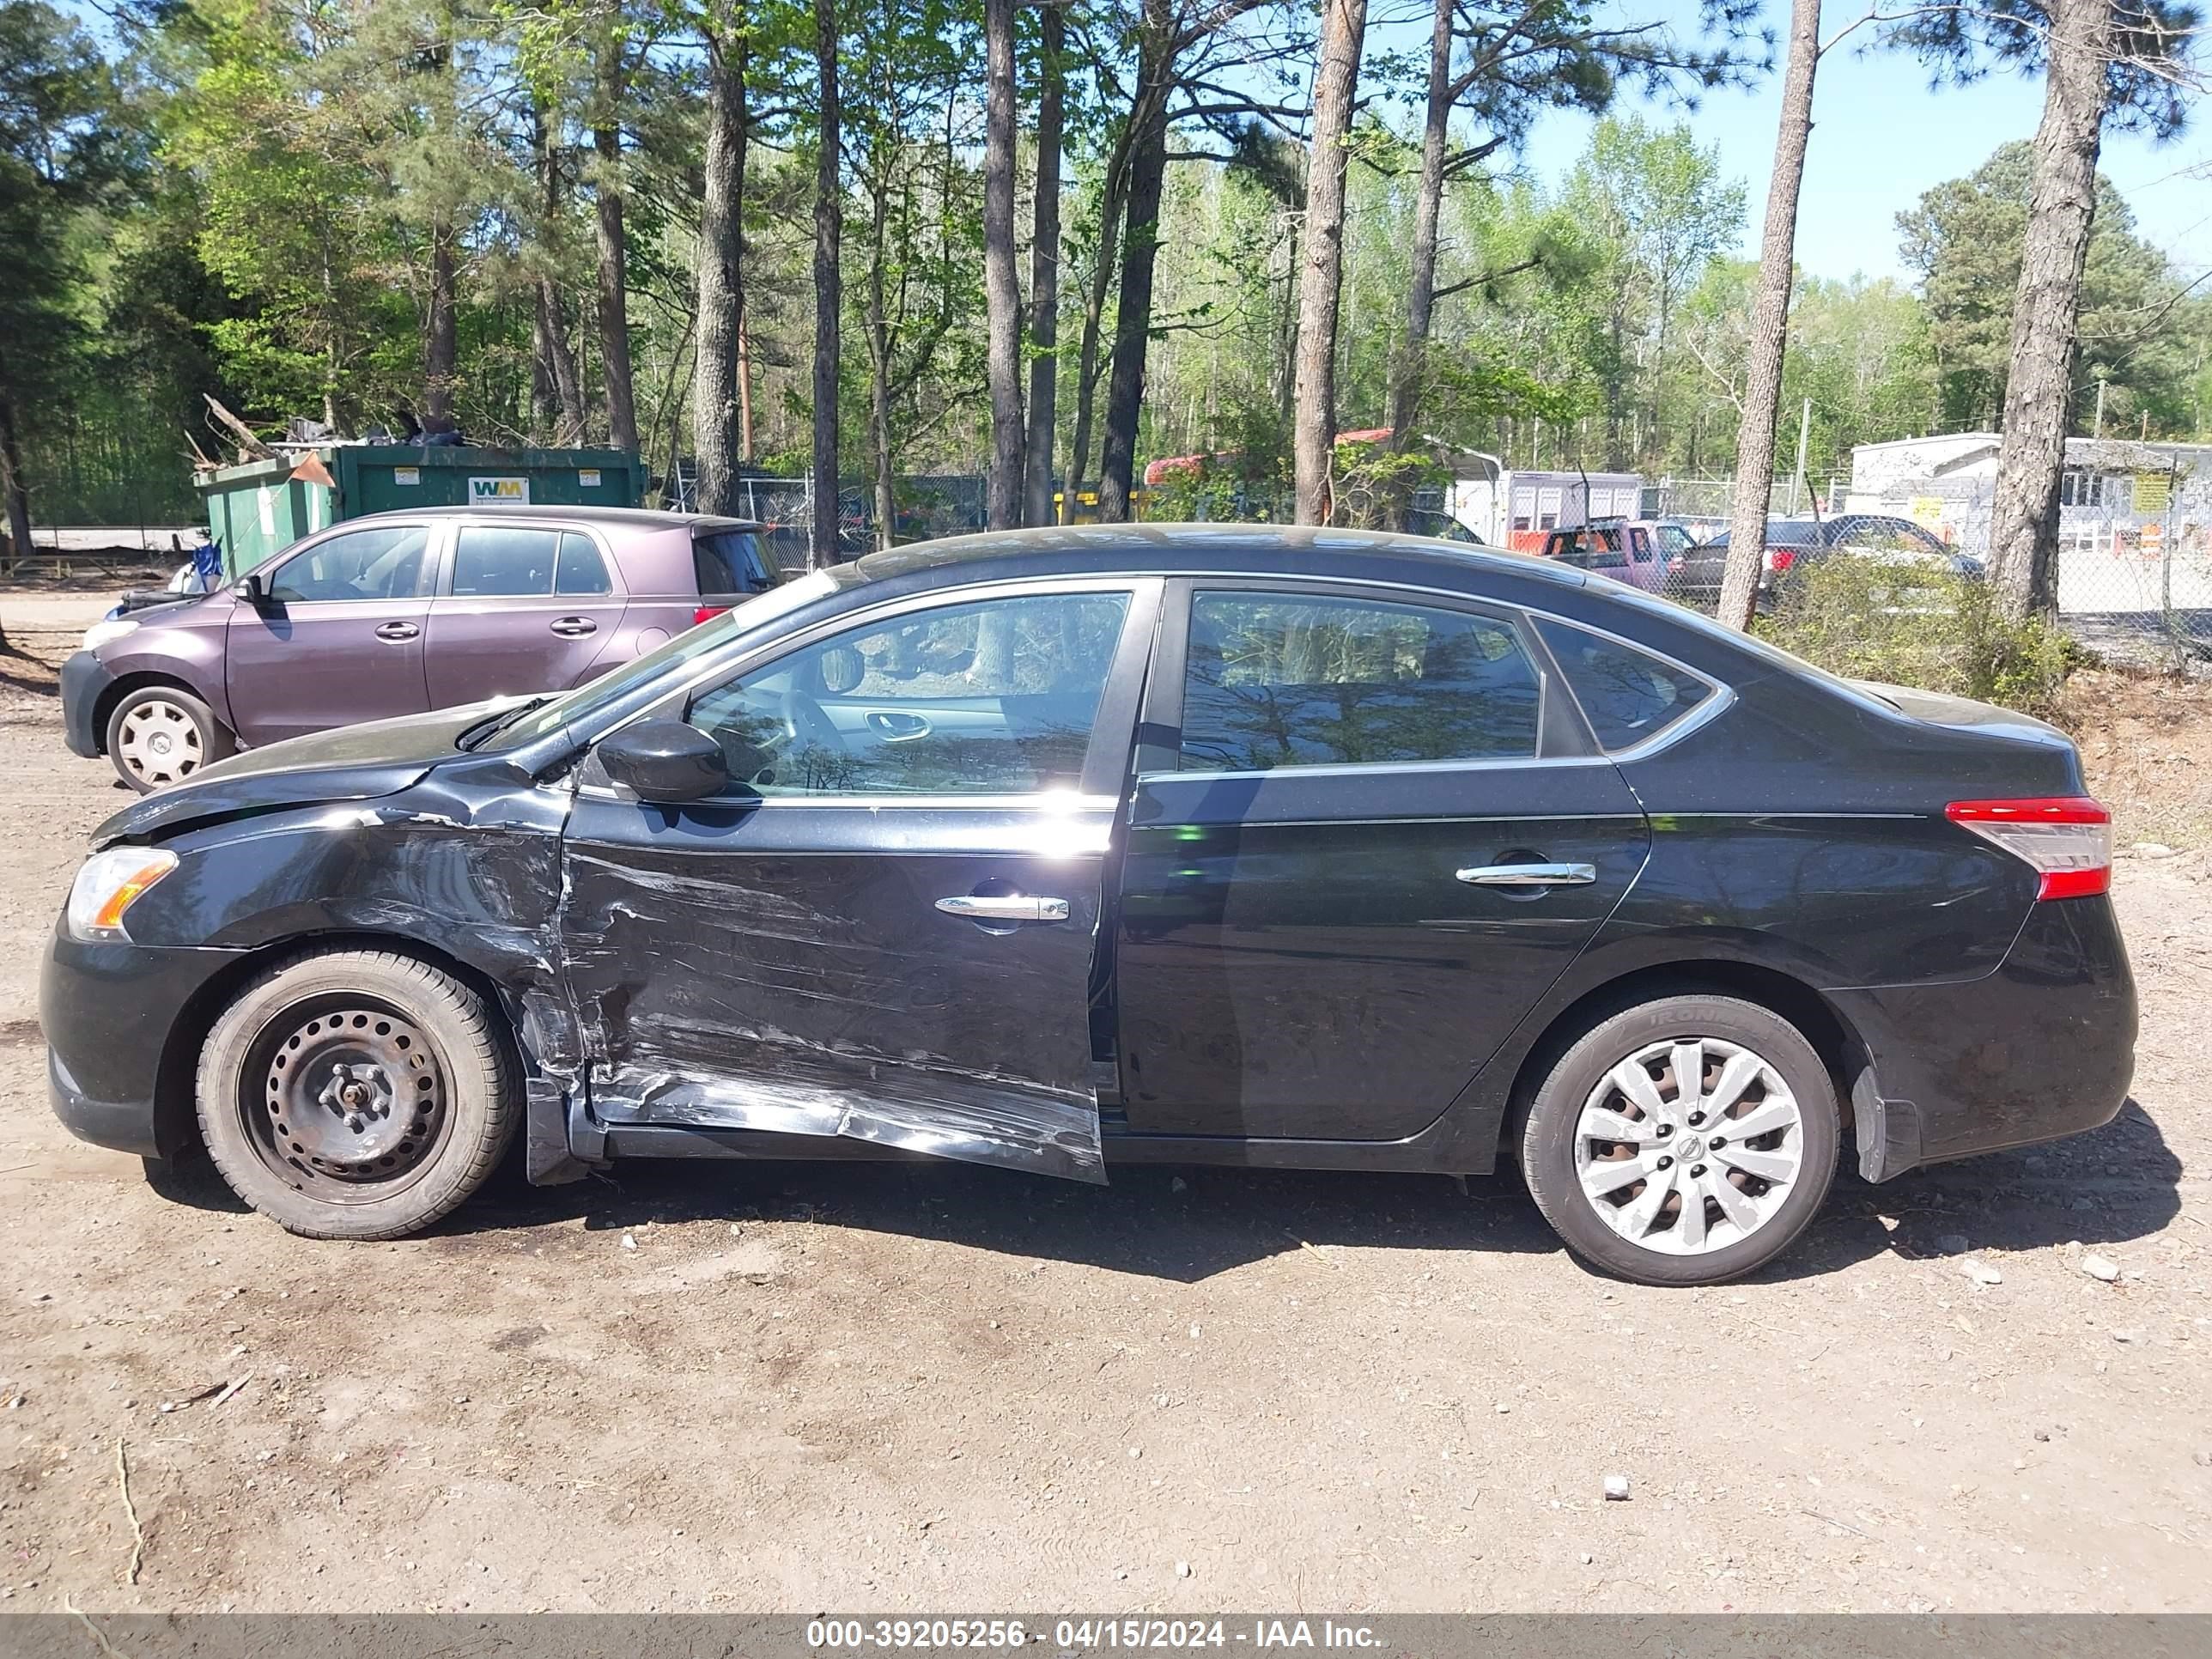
column 383, row 564
column 1626, row 695
column 510, row 562
column 1275, row 680
column 997, row 696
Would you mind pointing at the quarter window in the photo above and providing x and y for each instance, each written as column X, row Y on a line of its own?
column 581, row 570
column 1626, row 695
column 993, row 697
column 1279, row 680
column 383, row 564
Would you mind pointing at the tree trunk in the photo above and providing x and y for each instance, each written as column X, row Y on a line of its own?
column 1428, row 210
column 1770, row 325
column 880, row 354
column 17, row 490
column 1344, row 27
column 1044, row 278
column 1111, row 199
column 2045, row 327
column 744, row 388
column 828, row 227
column 716, row 439
column 614, row 290
column 1002, row 295
column 1133, row 322
column 441, row 347
column 550, row 323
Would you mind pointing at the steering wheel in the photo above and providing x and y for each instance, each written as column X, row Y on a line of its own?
column 805, row 726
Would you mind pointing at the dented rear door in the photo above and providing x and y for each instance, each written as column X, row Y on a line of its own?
column 888, row 929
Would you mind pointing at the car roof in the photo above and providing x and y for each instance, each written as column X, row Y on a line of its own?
column 628, row 518
column 1196, row 549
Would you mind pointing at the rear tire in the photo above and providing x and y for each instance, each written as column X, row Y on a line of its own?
column 159, row 735
column 1659, row 1187
column 356, row 1094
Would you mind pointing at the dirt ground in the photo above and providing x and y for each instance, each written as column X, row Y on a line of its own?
column 908, row 1387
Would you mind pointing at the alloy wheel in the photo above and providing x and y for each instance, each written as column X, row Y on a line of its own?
column 1689, row 1146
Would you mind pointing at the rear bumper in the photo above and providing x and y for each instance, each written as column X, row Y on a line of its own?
column 109, row 1012
column 2041, row 1048
column 84, row 679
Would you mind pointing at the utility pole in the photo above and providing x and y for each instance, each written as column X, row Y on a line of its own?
column 1797, row 478
column 2097, row 430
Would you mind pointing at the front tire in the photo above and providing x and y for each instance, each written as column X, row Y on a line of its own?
column 162, row 734
column 356, row 1094
column 1665, row 1184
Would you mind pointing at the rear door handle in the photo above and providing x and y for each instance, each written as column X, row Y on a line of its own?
column 992, row 908
column 397, row 632
column 1529, row 875
column 573, row 627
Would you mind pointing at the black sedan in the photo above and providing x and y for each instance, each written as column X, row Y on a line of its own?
column 1071, row 849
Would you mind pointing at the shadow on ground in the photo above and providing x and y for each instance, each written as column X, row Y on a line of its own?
column 2118, row 1184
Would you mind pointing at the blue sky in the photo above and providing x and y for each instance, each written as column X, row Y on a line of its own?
column 1880, row 138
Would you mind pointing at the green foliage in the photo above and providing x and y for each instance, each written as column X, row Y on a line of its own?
column 1964, row 238
column 1867, row 619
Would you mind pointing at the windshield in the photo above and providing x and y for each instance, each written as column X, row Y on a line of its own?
column 579, row 705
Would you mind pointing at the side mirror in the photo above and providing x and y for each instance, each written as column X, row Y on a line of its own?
column 250, row 589
column 666, row 761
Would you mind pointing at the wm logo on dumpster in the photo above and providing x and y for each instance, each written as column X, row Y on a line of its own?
column 499, row 492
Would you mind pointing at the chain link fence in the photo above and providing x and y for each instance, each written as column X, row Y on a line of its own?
column 2135, row 547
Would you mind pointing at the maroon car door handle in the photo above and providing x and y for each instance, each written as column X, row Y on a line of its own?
column 397, row 632
column 573, row 627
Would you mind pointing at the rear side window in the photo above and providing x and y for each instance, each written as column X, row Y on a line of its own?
column 581, row 570
column 1274, row 679
column 730, row 562
column 504, row 561
column 1627, row 695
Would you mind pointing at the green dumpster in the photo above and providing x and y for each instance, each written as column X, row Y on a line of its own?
column 256, row 509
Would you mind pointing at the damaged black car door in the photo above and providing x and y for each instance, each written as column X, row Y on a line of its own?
column 884, row 926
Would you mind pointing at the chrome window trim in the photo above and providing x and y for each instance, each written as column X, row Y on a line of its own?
column 1045, row 802
column 1129, row 583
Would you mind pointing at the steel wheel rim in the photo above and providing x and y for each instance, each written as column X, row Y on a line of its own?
column 1689, row 1172
column 159, row 742
column 345, row 1099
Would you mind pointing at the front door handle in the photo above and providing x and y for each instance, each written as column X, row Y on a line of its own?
column 1529, row 875
column 398, row 633
column 895, row 727
column 994, row 908
column 573, row 627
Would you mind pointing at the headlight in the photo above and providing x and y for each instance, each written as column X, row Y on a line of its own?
column 108, row 884
column 113, row 628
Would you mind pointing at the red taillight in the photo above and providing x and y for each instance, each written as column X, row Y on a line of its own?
column 706, row 613
column 2066, row 839
column 1781, row 558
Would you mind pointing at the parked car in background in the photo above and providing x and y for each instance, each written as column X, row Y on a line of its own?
column 1074, row 849
column 1792, row 544
column 1636, row 551
column 395, row 614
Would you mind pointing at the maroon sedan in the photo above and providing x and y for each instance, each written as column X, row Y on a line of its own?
column 398, row 614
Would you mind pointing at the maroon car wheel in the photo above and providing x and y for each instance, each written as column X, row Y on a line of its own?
column 162, row 734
